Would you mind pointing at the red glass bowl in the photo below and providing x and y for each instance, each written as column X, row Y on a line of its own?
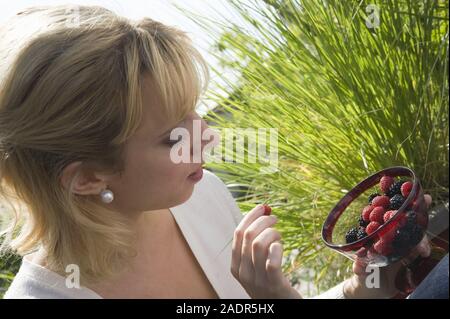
column 363, row 249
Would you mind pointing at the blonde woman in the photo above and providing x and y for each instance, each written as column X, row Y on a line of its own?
column 87, row 103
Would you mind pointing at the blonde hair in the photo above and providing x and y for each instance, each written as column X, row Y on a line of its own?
column 70, row 90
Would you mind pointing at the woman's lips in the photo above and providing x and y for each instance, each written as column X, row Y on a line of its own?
column 197, row 175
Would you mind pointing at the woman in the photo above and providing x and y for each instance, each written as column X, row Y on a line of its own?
column 87, row 103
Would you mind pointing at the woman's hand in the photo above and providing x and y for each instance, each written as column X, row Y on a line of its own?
column 356, row 286
column 257, row 256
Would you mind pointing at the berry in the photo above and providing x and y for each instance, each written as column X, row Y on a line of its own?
column 422, row 220
column 267, row 209
column 386, row 183
column 395, row 188
column 406, row 188
column 372, row 196
column 388, row 215
column 366, row 212
column 396, row 202
column 373, row 226
column 416, row 235
column 351, row 236
column 382, row 201
column 411, row 217
column 383, row 247
column 362, row 222
column 361, row 233
column 388, row 233
column 401, row 241
column 406, row 237
column 377, row 215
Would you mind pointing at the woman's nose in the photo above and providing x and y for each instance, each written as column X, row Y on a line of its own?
column 208, row 138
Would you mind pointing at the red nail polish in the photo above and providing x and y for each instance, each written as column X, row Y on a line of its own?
column 267, row 210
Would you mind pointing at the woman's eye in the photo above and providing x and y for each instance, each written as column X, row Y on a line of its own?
column 172, row 142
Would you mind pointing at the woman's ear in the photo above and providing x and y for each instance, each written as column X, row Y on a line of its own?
column 82, row 180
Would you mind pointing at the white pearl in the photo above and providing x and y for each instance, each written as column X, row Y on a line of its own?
column 107, row 196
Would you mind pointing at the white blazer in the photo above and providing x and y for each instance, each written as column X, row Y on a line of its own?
column 208, row 220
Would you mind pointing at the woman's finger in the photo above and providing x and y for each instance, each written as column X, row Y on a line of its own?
column 260, row 253
column 238, row 237
column 428, row 200
column 359, row 267
column 423, row 249
column 247, row 268
column 273, row 266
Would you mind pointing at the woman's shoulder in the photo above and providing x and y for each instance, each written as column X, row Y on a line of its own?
column 33, row 281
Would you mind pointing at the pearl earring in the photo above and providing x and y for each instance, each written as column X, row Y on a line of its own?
column 107, row 196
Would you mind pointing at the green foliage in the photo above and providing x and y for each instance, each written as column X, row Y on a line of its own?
column 9, row 265
column 347, row 100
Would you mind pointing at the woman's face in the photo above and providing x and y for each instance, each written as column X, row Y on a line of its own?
column 151, row 180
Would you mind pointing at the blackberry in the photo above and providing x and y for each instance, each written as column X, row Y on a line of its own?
column 415, row 235
column 351, row 236
column 395, row 189
column 401, row 241
column 396, row 202
column 407, row 237
column 372, row 196
column 411, row 217
column 361, row 233
column 362, row 222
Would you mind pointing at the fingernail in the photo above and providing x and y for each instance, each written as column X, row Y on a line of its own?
column 267, row 209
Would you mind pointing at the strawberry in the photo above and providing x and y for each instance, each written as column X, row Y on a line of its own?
column 267, row 210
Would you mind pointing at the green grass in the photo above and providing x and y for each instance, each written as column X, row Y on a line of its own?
column 347, row 101
column 9, row 265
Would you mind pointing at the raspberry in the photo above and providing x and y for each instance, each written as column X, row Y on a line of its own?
column 377, row 215
column 389, row 235
column 382, row 201
column 386, row 183
column 383, row 247
column 373, row 226
column 396, row 201
column 372, row 196
column 267, row 209
column 406, row 188
column 388, row 215
column 366, row 212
